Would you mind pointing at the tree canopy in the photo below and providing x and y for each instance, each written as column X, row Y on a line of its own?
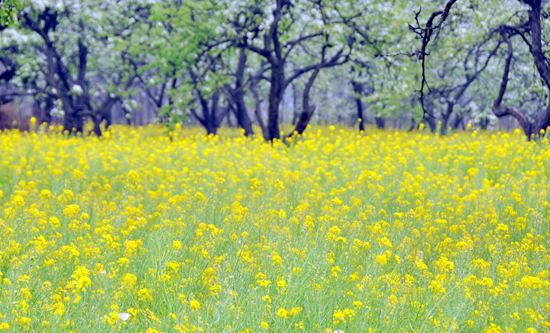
column 277, row 65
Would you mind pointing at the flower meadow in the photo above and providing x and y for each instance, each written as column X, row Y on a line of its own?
column 147, row 231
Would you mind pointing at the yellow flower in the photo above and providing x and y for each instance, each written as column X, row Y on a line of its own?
column 177, row 245
column 132, row 176
column 420, row 264
column 200, row 197
column 18, row 201
column 46, row 194
column 58, row 309
column 216, row 223
column 25, row 321
column 381, row 259
column 132, row 246
column 71, row 210
column 531, row 282
column 144, row 295
column 342, row 316
column 493, row 328
column 194, row 305
column 277, row 259
column 282, row 313
column 129, row 280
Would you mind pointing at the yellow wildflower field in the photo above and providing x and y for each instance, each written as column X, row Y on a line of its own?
column 144, row 231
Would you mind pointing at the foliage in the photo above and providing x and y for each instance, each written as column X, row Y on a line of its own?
column 8, row 11
column 181, row 60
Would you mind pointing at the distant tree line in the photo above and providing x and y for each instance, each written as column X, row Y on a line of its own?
column 248, row 63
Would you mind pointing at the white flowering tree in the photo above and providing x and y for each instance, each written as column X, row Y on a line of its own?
column 177, row 64
column 230, row 58
column 66, row 54
column 495, row 41
column 212, row 61
column 383, row 75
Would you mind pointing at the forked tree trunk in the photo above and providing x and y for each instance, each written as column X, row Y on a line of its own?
column 240, row 110
column 307, row 109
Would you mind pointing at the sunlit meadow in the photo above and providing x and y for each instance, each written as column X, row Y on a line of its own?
column 148, row 231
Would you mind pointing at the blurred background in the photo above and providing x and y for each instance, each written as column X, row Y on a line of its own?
column 264, row 66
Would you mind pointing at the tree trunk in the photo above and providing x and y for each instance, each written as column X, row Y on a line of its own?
column 358, row 90
column 307, row 109
column 258, row 107
column 380, row 122
column 458, row 123
column 72, row 121
column 241, row 112
column 276, row 91
column 207, row 119
column 544, row 121
column 97, row 126
column 46, row 112
column 212, row 121
column 445, row 118
column 484, row 123
column 432, row 124
column 295, row 107
column 501, row 110
column 540, row 59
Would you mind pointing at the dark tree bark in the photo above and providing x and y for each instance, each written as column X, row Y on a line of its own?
column 276, row 93
column 541, row 61
column 258, row 105
column 380, row 122
column 237, row 96
column 295, row 106
column 103, row 114
column 358, row 91
column 484, row 123
column 307, row 109
column 156, row 95
column 470, row 78
column 276, row 53
column 458, row 122
column 46, row 111
column 212, row 114
column 501, row 110
column 431, row 121
column 529, row 125
column 425, row 34
column 445, row 118
column 76, row 104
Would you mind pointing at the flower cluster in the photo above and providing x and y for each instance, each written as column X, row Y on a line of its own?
column 335, row 231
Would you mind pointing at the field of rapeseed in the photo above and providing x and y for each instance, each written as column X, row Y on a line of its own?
column 140, row 231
